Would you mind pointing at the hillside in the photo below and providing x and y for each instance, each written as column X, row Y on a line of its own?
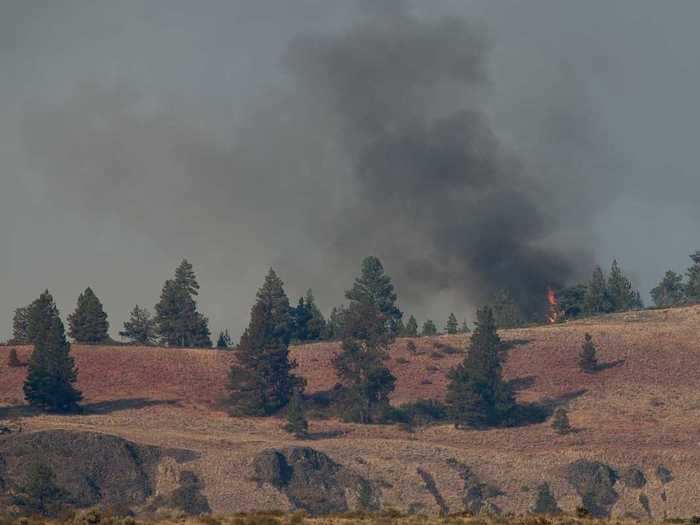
column 640, row 411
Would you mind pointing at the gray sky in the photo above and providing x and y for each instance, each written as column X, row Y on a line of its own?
column 134, row 133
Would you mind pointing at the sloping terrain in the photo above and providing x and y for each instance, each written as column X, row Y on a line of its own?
column 635, row 449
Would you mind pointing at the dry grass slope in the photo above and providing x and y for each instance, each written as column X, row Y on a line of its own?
column 641, row 410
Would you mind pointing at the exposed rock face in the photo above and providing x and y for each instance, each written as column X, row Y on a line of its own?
column 545, row 503
column 91, row 468
column 476, row 493
column 594, row 482
column 633, row 478
column 312, row 481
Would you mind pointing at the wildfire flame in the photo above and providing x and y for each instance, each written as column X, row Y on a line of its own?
column 554, row 314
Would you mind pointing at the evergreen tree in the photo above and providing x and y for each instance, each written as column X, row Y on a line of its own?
column 88, row 323
column 451, row 327
column 692, row 287
column 622, row 296
column 20, row 326
column 360, row 365
column 316, row 325
column 140, row 328
column 477, row 395
column 597, row 299
column 560, row 422
column 224, row 340
column 587, row 359
column 400, row 328
column 429, row 328
column 39, row 494
column 178, row 323
column 296, row 419
column 375, row 287
column 186, row 279
column 572, row 300
column 260, row 380
column 464, row 328
column 301, row 316
column 411, row 327
column 334, row 324
column 506, row 311
column 52, row 372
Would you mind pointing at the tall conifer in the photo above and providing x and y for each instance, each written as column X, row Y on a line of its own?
column 88, row 323
column 52, row 373
column 260, row 380
column 477, row 395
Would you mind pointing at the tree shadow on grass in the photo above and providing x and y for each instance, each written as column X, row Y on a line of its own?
column 522, row 383
column 99, row 408
column 117, row 405
column 538, row 412
column 611, row 364
column 509, row 345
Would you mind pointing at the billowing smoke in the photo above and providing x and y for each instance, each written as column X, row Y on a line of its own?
column 437, row 194
column 382, row 140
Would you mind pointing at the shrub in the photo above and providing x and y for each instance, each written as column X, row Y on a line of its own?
column 402, row 361
column 421, row 412
column 12, row 359
column 587, row 360
column 560, row 422
column 411, row 347
column 436, row 355
column 432, row 368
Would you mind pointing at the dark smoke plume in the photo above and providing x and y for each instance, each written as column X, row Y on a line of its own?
column 437, row 195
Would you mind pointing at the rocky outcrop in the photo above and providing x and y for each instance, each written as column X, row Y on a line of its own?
column 313, row 482
column 88, row 468
column 594, row 483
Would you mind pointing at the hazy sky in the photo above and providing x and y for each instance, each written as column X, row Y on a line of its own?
column 136, row 133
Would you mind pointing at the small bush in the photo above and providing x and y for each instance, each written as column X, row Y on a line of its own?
column 436, row 355
column 411, row 347
column 560, row 422
column 402, row 361
column 450, row 350
column 426, row 382
column 432, row 368
column 12, row 359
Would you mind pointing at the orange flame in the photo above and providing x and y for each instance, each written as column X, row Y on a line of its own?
column 554, row 314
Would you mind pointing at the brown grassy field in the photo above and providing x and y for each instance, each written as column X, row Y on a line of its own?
column 643, row 410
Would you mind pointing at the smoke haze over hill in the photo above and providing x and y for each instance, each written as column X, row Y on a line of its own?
column 469, row 146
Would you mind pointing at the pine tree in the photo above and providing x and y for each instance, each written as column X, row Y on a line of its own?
column 411, row 327
column 560, row 422
column 360, row 365
column 88, row 323
column 300, row 318
column 622, row 295
column 587, row 360
column 296, row 419
column 597, row 299
column 692, row 287
column 429, row 328
column 178, row 323
column 451, row 326
column 140, row 328
column 506, row 311
column 52, row 372
column 670, row 291
column 334, row 324
column 224, row 340
column 464, row 328
column 316, row 325
column 373, row 286
column 477, row 395
column 20, row 326
column 260, row 380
